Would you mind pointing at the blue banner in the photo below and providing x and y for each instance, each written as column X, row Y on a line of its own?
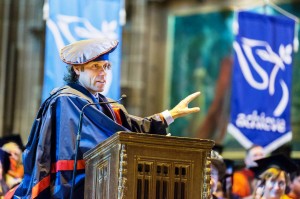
column 72, row 20
column 261, row 80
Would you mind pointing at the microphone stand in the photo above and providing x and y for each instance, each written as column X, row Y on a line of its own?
column 79, row 136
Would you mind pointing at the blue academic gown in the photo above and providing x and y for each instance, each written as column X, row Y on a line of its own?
column 49, row 155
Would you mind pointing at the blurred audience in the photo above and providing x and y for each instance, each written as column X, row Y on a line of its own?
column 218, row 170
column 273, row 173
column 272, row 184
column 4, row 166
column 16, row 170
column 228, row 179
column 244, row 179
column 294, row 187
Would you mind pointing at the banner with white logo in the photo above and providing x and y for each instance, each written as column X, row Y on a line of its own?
column 72, row 20
column 261, row 80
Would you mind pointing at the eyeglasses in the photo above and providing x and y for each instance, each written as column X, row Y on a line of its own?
column 99, row 65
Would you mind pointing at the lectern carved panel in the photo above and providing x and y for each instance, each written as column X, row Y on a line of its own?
column 162, row 178
column 143, row 166
column 102, row 179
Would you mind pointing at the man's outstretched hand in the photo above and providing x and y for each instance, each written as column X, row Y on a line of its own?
column 182, row 109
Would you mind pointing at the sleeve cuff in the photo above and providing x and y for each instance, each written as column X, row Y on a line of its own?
column 168, row 117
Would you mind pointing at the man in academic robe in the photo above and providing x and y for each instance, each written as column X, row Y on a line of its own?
column 50, row 152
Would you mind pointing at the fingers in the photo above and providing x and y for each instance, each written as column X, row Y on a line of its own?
column 194, row 110
column 191, row 97
column 182, row 108
column 183, row 112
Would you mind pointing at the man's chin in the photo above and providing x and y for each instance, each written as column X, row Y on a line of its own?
column 99, row 90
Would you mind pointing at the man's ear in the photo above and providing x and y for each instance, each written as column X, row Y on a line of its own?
column 76, row 69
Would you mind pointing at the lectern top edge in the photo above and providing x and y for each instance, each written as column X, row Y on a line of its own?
column 123, row 137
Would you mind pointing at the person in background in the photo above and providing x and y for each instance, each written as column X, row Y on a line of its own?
column 16, row 170
column 243, row 180
column 218, row 169
column 50, row 152
column 4, row 166
column 273, row 177
column 272, row 184
column 294, row 185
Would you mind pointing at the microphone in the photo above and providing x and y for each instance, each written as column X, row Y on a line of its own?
column 79, row 136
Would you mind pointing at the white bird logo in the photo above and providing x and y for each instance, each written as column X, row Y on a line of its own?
column 265, row 52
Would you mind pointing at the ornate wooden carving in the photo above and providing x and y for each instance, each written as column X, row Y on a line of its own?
column 144, row 166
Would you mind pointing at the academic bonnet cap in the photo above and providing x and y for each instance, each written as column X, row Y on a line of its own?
column 84, row 51
column 279, row 161
column 16, row 138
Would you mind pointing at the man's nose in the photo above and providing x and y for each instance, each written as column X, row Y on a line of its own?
column 102, row 71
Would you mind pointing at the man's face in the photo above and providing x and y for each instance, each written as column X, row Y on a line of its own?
column 274, row 188
column 92, row 75
column 254, row 154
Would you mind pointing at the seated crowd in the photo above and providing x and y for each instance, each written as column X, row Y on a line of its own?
column 11, row 167
column 276, row 176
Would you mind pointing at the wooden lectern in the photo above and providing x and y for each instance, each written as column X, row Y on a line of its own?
column 146, row 166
